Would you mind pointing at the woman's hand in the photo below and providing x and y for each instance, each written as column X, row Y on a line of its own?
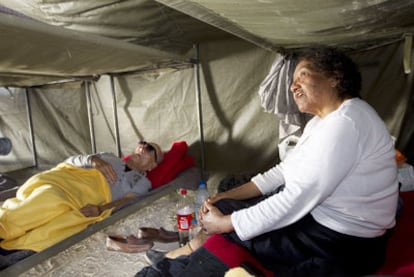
column 211, row 200
column 213, row 221
column 105, row 168
column 90, row 210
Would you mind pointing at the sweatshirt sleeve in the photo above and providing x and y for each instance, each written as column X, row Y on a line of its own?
column 311, row 172
column 269, row 181
column 83, row 161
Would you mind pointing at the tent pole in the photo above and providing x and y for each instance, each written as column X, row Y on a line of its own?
column 199, row 107
column 90, row 116
column 116, row 125
column 408, row 45
column 30, row 121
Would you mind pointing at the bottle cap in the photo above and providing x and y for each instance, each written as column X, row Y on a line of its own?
column 202, row 183
column 183, row 191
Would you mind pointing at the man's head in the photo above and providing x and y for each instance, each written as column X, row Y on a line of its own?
column 146, row 156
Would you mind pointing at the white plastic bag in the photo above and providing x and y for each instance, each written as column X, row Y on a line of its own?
column 406, row 177
column 286, row 145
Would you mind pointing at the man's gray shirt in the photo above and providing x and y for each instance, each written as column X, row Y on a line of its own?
column 128, row 180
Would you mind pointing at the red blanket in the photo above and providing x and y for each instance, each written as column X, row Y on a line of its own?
column 400, row 252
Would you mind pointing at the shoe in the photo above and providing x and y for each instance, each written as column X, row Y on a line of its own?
column 127, row 244
column 158, row 235
column 154, row 256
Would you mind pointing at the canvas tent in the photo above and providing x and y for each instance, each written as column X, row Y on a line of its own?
column 143, row 59
column 49, row 42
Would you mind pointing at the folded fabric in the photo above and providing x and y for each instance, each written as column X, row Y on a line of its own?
column 175, row 161
column 46, row 207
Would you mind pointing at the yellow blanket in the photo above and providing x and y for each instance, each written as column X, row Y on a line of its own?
column 46, row 208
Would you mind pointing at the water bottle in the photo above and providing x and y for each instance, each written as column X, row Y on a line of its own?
column 201, row 195
column 185, row 213
column 194, row 229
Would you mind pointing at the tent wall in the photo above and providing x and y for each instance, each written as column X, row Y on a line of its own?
column 59, row 123
column 161, row 106
column 390, row 91
column 14, row 125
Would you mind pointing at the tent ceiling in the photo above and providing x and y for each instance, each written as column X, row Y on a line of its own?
column 48, row 42
column 31, row 48
column 140, row 22
column 102, row 36
column 276, row 24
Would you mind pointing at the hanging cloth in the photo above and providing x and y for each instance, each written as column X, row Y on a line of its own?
column 276, row 97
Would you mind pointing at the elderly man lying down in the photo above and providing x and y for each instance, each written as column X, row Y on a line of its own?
column 55, row 204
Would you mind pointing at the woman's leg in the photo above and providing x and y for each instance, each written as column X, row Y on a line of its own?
column 308, row 247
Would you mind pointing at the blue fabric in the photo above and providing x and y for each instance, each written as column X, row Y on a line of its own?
column 201, row 263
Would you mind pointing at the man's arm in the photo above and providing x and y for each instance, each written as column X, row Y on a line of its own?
column 84, row 161
column 91, row 210
column 94, row 161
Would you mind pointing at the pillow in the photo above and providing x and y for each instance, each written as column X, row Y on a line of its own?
column 159, row 179
column 175, row 161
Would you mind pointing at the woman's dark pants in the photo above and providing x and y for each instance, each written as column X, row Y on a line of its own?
column 307, row 248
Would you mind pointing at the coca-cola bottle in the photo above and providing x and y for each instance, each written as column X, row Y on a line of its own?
column 185, row 213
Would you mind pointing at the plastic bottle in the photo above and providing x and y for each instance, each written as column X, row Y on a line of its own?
column 185, row 213
column 201, row 195
column 194, row 228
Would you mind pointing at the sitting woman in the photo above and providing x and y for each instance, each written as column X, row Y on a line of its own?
column 55, row 204
column 339, row 196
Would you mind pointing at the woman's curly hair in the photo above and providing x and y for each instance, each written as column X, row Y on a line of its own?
column 335, row 64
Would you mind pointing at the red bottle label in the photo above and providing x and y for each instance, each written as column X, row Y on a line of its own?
column 184, row 221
